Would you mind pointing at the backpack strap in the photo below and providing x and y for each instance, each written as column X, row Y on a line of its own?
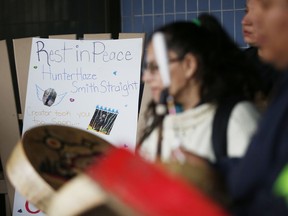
column 220, row 126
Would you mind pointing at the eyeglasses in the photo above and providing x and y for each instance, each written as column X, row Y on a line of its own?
column 153, row 68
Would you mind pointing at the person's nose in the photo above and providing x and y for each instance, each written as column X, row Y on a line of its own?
column 146, row 77
column 246, row 20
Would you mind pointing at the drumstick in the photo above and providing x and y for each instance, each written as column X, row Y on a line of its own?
column 160, row 50
column 161, row 54
column 137, row 186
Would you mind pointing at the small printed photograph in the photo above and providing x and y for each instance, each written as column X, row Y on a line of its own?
column 103, row 120
column 49, row 97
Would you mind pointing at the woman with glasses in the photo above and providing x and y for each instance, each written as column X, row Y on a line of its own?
column 206, row 70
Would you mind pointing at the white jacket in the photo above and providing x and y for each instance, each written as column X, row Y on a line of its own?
column 193, row 130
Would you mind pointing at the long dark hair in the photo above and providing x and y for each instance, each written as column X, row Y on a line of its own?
column 223, row 70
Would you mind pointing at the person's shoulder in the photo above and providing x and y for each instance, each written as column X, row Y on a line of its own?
column 242, row 125
column 245, row 111
column 245, row 106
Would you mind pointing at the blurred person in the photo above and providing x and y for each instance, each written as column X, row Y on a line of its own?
column 248, row 27
column 258, row 183
column 273, row 33
column 267, row 72
column 207, row 70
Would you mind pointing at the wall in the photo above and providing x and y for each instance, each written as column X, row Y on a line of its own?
column 30, row 18
column 146, row 15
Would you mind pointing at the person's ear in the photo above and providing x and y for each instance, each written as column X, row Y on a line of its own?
column 190, row 63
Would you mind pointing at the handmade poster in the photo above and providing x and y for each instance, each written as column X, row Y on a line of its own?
column 22, row 207
column 88, row 84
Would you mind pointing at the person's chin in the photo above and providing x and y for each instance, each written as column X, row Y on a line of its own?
column 249, row 41
column 248, row 37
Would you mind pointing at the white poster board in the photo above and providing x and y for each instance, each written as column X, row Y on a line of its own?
column 88, row 84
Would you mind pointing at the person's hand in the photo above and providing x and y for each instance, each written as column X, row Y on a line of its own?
column 183, row 156
column 199, row 172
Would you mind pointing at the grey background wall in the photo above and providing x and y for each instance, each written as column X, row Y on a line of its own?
column 146, row 15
